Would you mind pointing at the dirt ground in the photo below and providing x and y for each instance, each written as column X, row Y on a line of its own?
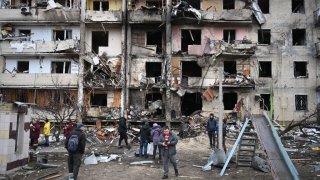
column 192, row 151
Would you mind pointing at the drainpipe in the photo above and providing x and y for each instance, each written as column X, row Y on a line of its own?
column 82, row 55
column 125, row 63
column 168, row 64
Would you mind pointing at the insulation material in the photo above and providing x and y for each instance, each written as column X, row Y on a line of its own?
column 20, row 46
column 258, row 13
column 182, row 7
column 66, row 44
column 117, row 98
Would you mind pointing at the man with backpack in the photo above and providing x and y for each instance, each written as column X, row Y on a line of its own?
column 75, row 144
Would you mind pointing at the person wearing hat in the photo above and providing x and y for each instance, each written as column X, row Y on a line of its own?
column 75, row 156
column 155, row 134
column 68, row 129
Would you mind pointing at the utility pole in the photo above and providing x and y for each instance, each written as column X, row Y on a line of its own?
column 220, row 69
column 125, row 65
column 167, row 64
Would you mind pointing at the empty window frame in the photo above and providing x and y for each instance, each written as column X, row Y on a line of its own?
column 300, row 69
column 191, row 69
column 264, row 6
column 229, row 100
column 193, row 3
column 24, row 32
column 229, row 35
column 155, row 38
column 265, row 102
column 190, row 103
column 265, row 69
column 153, row 69
column 99, row 38
column 230, row 67
column 190, row 37
column 98, row 99
column 62, row 34
column 228, row 4
column 60, row 67
column 100, row 5
column 154, row 3
column 301, row 102
column 298, row 6
column 298, row 37
column 23, row 66
column 264, row 36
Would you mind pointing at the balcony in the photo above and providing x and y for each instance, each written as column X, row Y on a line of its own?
column 317, row 17
column 40, row 15
column 234, row 15
column 38, row 80
column 104, row 16
column 31, row 47
column 146, row 16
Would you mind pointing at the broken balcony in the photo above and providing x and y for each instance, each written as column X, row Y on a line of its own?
column 233, row 15
column 103, row 16
column 146, row 16
column 40, row 15
column 38, row 80
column 317, row 17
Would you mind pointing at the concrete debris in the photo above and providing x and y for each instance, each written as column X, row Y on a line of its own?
column 184, row 9
column 105, row 159
column 258, row 13
column 260, row 164
column 155, row 105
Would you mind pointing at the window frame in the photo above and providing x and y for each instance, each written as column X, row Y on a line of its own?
column 302, row 97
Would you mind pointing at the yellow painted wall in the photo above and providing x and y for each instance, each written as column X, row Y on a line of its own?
column 175, row 66
column 114, row 5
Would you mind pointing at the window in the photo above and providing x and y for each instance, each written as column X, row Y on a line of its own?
column 265, row 102
column 229, row 100
column 153, row 69
column 23, row 66
column 193, row 3
column 155, row 38
column 191, row 69
column 265, row 69
column 190, row 37
column 153, row 3
column 301, row 102
column 98, row 99
column 62, row 34
column 228, row 4
column 298, row 37
column 24, row 32
column 229, row 35
column 298, row 6
column 264, row 36
column 264, row 6
column 61, row 67
column 190, row 103
column 101, row 5
column 300, row 69
column 230, row 67
column 99, row 38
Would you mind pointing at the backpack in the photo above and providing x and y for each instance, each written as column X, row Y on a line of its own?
column 73, row 143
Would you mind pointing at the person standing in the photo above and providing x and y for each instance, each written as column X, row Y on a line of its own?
column 123, row 132
column 211, row 129
column 68, row 129
column 144, row 139
column 168, row 140
column 34, row 134
column 75, row 144
column 46, row 131
column 155, row 134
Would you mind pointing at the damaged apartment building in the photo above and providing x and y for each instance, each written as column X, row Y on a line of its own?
column 163, row 58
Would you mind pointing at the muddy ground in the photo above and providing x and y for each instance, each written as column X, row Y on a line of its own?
column 193, row 151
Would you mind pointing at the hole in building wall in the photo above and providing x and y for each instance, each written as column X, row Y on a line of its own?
column 230, row 67
column 298, row 37
column 265, row 69
column 298, row 6
column 155, row 38
column 300, row 69
column 98, row 99
column 62, row 34
column 153, row 69
column 264, row 6
column 190, row 37
column 154, row 3
column 264, row 36
column 101, row 73
column 301, row 102
column 23, row 66
column 151, row 97
column 60, row 67
column 229, row 35
column 100, row 5
column 193, row 3
column 228, row 4
column 190, row 102
column 265, row 103
column 190, row 69
column 229, row 100
column 99, row 38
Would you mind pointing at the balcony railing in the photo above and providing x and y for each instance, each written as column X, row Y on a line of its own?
column 103, row 16
column 145, row 16
column 228, row 15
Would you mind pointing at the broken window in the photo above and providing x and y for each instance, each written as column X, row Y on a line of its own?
column 151, row 98
column 298, row 6
column 61, row 67
column 193, row 3
column 153, row 69
column 230, row 67
column 100, row 5
column 300, row 69
column 301, row 102
column 190, row 103
column 228, row 4
column 264, row 6
column 229, row 35
column 265, row 102
column 229, row 100
column 98, row 99
column 190, row 37
column 99, row 38
column 23, row 66
column 264, row 36
column 154, row 3
column 155, row 38
column 298, row 37
column 265, row 69
column 62, row 34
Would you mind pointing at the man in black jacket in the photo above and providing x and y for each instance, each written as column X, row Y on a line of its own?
column 74, row 160
column 144, row 139
column 211, row 128
column 123, row 132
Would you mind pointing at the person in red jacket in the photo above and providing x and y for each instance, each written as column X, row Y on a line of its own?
column 34, row 134
column 68, row 129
